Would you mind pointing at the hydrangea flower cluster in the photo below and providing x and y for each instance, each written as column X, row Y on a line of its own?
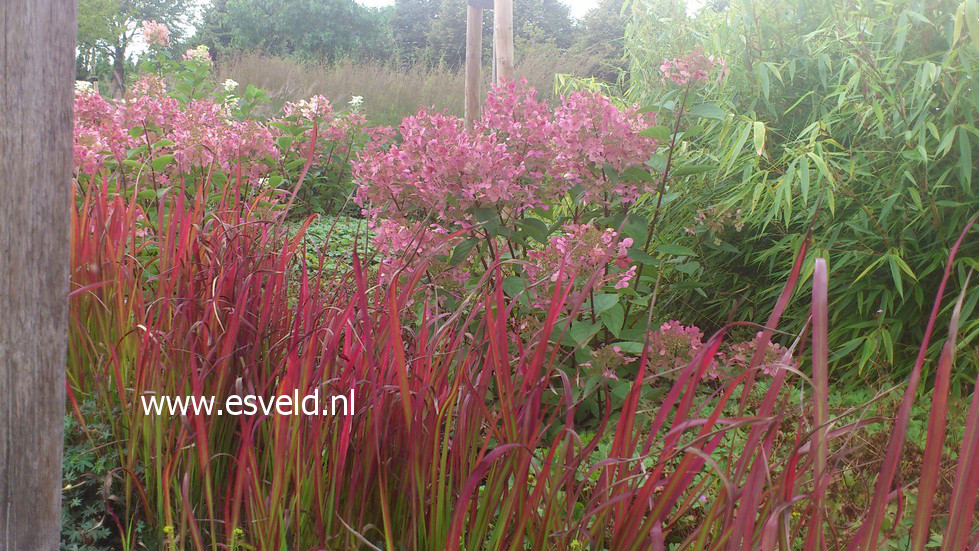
column 739, row 355
column 715, row 220
column 674, row 345
column 399, row 244
column 606, row 360
column 154, row 125
column 200, row 54
column 156, row 34
column 590, row 132
column 521, row 155
column 336, row 133
column 694, row 67
column 575, row 256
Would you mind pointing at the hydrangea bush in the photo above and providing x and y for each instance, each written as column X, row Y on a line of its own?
column 534, row 186
column 537, row 194
column 176, row 127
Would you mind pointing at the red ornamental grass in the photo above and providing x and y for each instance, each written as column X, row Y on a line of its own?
column 464, row 434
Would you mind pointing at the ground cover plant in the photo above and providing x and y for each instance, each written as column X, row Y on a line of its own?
column 502, row 302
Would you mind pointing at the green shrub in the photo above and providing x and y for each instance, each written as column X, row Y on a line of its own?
column 856, row 118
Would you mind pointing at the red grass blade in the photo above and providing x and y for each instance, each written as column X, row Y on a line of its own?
column 820, row 377
column 931, row 463
column 869, row 532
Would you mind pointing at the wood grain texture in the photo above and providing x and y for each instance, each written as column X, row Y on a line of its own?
column 37, row 47
column 503, row 38
column 474, row 51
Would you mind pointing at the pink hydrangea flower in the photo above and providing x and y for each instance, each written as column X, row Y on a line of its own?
column 694, row 67
column 156, row 34
column 590, row 132
column 575, row 256
column 199, row 54
column 198, row 134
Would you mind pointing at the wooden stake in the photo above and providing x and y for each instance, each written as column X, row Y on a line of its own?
column 37, row 61
column 474, row 50
column 503, row 39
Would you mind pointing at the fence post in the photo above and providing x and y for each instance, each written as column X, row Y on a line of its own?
column 474, row 59
column 503, row 39
column 37, row 61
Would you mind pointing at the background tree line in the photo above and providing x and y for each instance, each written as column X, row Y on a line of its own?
column 407, row 32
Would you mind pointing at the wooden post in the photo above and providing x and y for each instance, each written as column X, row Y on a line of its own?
column 37, row 61
column 474, row 60
column 503, row 39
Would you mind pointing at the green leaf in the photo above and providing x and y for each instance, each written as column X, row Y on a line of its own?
column 614, row 318
column 766, row 85
column 687, row 170
column 513, row 285
column 161, row 162
column 642, row 257
column 896, row 275
column 637, row 174
column 657, row 132
column 675, row 250
column 604, row 301
column 965, row 159
column 629, row 347
column 582, row 332
column 759, row 135
column 708, row 111
column 535, row 228
column 461, row 251
column 689, row 268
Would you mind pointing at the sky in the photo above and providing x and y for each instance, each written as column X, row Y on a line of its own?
column 578, row 7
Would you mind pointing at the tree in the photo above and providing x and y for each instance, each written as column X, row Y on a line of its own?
column 325, row 29
column 603, row 32
column 411, row 23
column 534, row 22
column 37, row 46
column 107, row 28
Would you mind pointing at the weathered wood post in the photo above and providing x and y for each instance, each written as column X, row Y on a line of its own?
column 37, row 61
column 474, row 57
column 503, row 39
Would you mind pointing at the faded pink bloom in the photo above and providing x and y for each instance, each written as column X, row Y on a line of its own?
column 674, row 345
column 199, row 54
column 313, row 108
column 198, row 134
column 694, row 67
column 581, row 252
column 156, row 34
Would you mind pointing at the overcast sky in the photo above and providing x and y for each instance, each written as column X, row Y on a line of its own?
column 578, row 7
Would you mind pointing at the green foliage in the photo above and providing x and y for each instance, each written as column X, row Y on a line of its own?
column 857, row 117
column 333, row 238
column 602, row 31
column 87, row 466
column 436, row 29
column 107, row 28
column 320, row 29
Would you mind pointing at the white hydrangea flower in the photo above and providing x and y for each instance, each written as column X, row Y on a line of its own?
column 84, row 87
column 356, row 101
column 229, row 85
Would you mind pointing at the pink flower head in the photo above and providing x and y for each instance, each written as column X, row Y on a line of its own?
column 694, row 67
column 590, row 133
column 198, row 135
column 312, row 108
column 156, row 34
column 199, row 54
column 775, row 355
